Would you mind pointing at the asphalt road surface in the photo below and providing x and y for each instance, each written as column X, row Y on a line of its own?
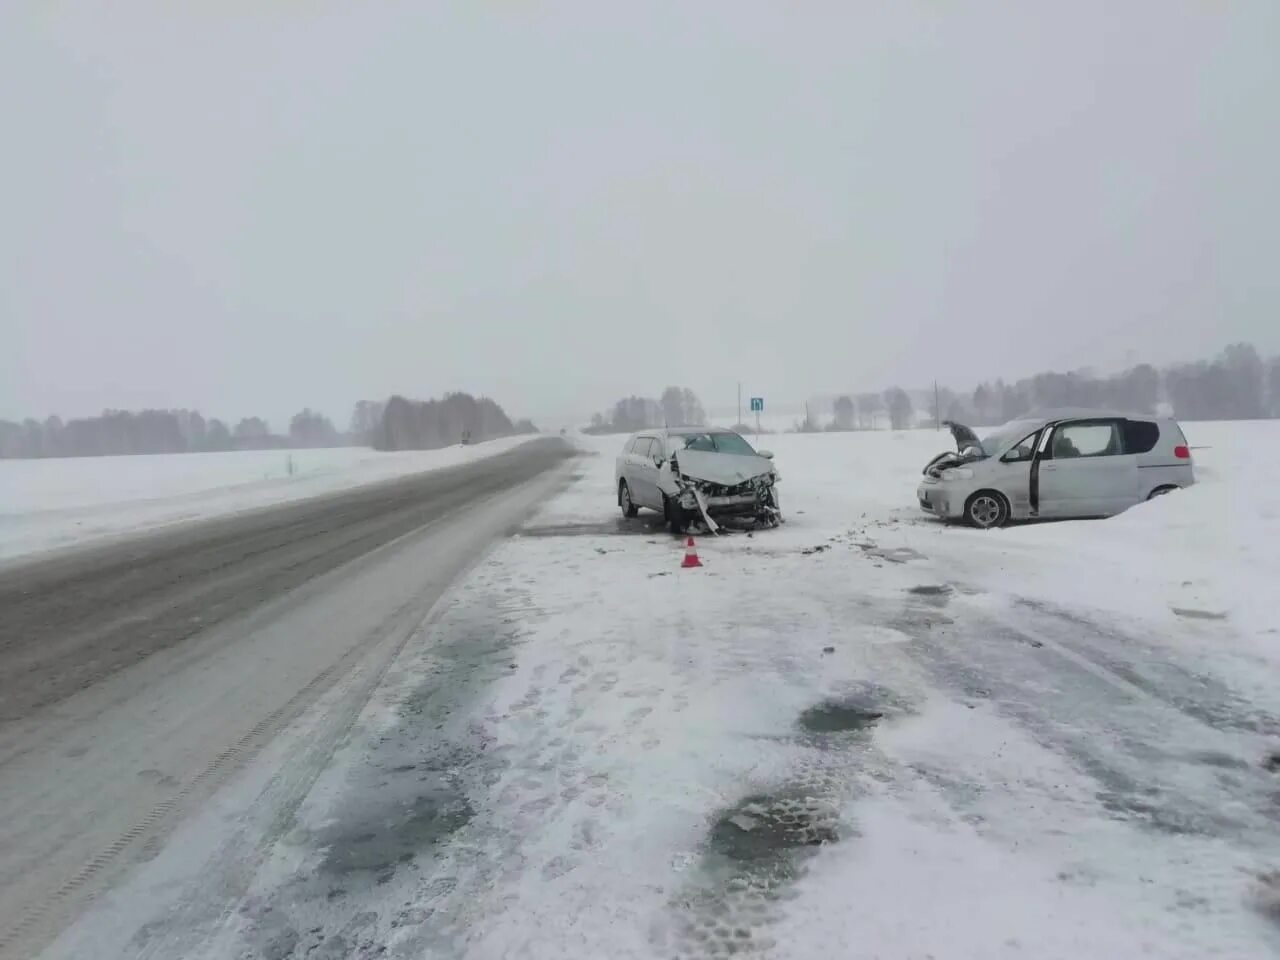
column 135, row 677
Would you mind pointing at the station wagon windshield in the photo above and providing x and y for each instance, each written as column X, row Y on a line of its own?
column 715, row 443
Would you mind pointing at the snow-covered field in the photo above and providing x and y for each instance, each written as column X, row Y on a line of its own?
column 46, row 504
column 862, row 735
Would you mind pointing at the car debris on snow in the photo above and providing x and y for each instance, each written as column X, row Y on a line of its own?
column 1193, row 614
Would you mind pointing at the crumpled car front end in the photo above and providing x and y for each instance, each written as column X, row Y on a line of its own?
column 705, row 485
column 947, row 480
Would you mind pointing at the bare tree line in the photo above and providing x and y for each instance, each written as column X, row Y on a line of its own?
column 1235, row 385
column 124, row 432
column 455, row 418
column 678, row 407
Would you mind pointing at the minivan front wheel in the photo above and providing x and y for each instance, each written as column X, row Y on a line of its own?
column 986, row 509
column 629, row 509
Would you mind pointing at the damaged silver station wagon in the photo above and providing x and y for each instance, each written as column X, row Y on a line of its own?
column 691, row 474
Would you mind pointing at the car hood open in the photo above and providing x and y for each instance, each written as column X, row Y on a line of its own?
column 964, row 436
column 728, row 469
column 968, row 449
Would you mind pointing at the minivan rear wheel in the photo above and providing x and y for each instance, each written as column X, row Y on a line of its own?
column 1161, row 491
column 986, row 509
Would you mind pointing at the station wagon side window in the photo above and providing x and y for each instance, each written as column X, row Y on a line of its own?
column 1091, row 438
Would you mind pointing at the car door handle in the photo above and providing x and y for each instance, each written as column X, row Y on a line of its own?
column 1048, row 466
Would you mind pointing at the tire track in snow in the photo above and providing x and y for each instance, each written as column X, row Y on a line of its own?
column 1162, row 770
column 758, row 848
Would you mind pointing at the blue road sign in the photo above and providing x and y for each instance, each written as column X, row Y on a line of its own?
column 757, row 404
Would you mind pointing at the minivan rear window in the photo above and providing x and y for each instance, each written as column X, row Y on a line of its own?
column 1140, row 436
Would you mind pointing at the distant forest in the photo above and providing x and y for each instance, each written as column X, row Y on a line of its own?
column 678, row 407
column 396, row 424
column 428, row 424
column 1235, row 385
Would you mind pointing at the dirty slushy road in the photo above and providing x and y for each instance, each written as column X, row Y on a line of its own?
column 136, row 677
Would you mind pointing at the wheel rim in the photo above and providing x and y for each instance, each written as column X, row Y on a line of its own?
column 626, row 498
column 985, row 511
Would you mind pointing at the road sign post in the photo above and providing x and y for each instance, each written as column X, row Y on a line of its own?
column 757, row 405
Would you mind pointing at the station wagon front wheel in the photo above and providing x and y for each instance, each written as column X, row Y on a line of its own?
column 986, row 509
column 629, row 509
column 675, row 515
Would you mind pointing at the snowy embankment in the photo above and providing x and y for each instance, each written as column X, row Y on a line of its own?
column 1180, row 564
column 1195, row 569
column 46, row 504
column 1211, row 553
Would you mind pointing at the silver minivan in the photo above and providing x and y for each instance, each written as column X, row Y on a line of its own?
column 1063, row 463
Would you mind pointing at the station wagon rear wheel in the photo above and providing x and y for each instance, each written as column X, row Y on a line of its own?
column 986, row 509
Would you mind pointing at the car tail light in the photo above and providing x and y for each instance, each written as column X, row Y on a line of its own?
column 1182, row 453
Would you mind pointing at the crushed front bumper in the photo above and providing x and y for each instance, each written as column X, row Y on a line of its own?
column 755, row 498
column 937, row 500
column 731, row 506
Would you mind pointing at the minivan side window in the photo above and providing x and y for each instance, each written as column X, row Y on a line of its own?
column 1096, row 439
column 1023, row 450
column 642, row 446
column 1140, row 436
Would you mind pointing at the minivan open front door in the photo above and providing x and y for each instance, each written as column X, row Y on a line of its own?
column 1084, row 470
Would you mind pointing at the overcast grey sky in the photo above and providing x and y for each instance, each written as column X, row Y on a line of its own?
column 251, row 207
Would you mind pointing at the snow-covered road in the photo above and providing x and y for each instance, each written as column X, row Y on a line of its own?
column 138, row 679
column 861, row 735
column 63, row 502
